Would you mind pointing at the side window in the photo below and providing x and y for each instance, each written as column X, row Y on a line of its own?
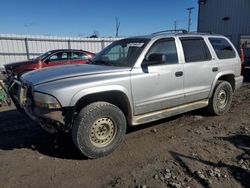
column 79, row 55
column 61, row 56
column 195, row 49
column 222, row 48
column 167, row 47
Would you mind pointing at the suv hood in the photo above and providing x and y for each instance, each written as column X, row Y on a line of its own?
column 67, row 71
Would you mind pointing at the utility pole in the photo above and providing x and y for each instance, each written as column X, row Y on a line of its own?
column 175, row 25
column 117, row 26
column 189, row 17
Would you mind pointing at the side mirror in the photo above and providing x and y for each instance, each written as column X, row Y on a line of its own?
column 154, row 59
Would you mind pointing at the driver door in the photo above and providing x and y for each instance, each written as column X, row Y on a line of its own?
column 159, row 86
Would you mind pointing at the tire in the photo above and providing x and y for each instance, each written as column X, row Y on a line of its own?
column 221, row 100
column 99, row 129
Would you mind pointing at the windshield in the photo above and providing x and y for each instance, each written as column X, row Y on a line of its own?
column 43, row 56
column 122, row 53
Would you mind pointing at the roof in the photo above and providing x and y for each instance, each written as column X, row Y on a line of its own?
column 65, row 50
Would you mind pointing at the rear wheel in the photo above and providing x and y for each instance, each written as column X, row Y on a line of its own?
column 221, row 100
column 98, row 129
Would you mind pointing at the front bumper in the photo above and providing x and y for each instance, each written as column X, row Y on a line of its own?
column 51, row 120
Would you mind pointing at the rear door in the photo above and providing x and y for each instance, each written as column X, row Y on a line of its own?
column 158, row 86
column 78, row 57
column 199, row 68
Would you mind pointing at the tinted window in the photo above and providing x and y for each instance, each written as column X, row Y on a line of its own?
column 167, row 47
column 79, row 55
column 195, row 49
column 222, row 48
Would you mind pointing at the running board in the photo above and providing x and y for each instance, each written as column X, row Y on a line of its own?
column 153, row 116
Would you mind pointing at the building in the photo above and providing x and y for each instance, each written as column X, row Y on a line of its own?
column 227, row 17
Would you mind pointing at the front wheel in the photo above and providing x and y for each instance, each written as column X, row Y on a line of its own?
column 221, row 100
column 99, row 129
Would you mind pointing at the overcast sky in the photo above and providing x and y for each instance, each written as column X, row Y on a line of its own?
column 83, row 17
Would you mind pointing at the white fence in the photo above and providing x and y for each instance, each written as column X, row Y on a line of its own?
column 22, row 47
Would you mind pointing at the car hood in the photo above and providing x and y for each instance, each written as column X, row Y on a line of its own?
column 67, row 71
column 17, row 64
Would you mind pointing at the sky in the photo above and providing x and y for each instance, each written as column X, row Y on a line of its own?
column 84, row 17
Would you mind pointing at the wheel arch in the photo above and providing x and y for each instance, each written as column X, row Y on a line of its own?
column 115, row 97
column 228, row 76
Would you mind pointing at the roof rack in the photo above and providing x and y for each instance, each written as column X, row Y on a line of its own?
column 172, row 31
column 204, row 32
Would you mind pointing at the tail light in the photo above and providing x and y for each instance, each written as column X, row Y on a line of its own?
column 242, row 57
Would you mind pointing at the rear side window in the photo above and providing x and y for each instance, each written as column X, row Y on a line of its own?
column 195, row 49
column 222, row 48
column 79, row 55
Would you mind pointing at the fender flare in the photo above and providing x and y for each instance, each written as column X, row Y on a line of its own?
column 224, row 73
column 100, row 89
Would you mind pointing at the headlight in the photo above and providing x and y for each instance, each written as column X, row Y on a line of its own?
column 46, row 101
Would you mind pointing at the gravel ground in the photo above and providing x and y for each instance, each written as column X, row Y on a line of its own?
column 189, row 150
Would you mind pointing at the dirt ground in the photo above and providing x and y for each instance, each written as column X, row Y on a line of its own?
column 189, row 150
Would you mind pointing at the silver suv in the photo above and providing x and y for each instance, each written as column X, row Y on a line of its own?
column 131, row 82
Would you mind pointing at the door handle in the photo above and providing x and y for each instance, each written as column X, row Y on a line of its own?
column 215, row 69
column 179, row 74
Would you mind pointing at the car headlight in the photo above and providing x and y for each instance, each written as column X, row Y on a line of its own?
column 46, row 101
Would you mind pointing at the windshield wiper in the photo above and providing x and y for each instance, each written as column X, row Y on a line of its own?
column 99, row 62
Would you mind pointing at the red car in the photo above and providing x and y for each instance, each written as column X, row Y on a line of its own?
column 246, row 61
column 50, row 58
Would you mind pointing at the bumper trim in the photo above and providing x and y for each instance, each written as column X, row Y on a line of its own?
column 54, row 115
column 49, row 120
column 238, row 82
